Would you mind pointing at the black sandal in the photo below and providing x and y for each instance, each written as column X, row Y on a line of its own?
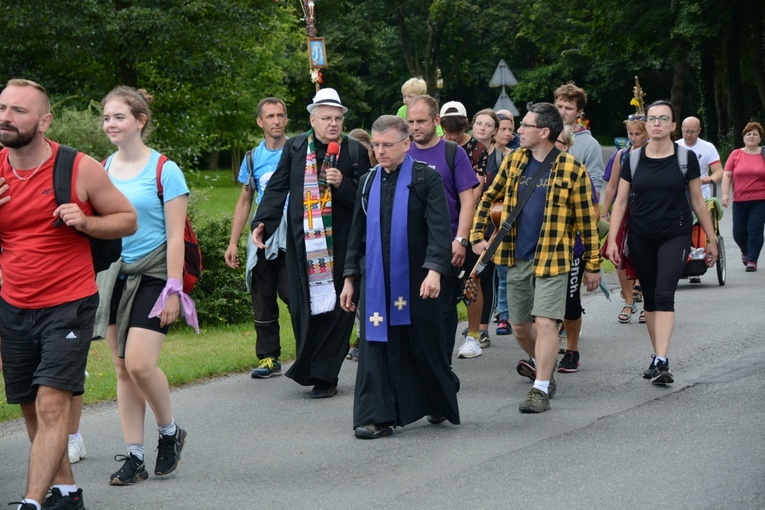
column 637, row 294
column 641, row 318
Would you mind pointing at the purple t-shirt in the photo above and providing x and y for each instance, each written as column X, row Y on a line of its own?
column 454, row 183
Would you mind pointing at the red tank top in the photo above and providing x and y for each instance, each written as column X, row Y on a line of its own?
column 42, row 265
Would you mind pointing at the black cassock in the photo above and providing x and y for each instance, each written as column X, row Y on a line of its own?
column 321, row 340
column 408, row 377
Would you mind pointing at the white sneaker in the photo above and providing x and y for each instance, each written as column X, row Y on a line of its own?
column 76, row 449
column 470, row 349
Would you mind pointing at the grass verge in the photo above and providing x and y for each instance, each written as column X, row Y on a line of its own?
column 186, row 357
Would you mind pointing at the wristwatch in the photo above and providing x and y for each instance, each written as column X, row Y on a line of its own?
column 462, row 241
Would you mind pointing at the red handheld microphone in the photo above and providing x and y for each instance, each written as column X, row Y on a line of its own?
column 332, row 152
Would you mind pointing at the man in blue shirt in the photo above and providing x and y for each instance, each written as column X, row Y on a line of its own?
column 266, row 275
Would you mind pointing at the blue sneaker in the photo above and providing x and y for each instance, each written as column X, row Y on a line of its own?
column 503, row 327
column 267, row 368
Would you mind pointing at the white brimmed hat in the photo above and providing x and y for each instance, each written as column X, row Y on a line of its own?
column 326, row 97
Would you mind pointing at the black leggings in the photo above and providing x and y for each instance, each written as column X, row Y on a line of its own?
column 659, row 264
column 487, row 290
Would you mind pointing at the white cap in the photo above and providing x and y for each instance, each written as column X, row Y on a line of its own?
column 453, row 109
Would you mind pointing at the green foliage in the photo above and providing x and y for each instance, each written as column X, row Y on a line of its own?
column 220, row 294
column 81, row 129
column 207, row 62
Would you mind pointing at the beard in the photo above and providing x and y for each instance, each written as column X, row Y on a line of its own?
column 19, row 139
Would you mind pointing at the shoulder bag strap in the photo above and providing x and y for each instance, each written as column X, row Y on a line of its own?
column 500, row 234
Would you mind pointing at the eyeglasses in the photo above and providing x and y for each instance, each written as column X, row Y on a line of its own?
column 663, row 119
column 329, row 120
column 636, row 117
column 562, row 142
column 524, row 125
column 386, row 145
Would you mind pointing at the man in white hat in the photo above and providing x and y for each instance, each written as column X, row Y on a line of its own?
column 323, row 192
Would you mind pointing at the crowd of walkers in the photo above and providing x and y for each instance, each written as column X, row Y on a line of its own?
column 390, row 229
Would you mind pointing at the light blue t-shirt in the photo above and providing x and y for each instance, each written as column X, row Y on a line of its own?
column 141, row 190
column 264, row 161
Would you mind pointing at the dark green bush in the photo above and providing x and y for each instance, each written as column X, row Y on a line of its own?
column 220, row 295
column 81, row 129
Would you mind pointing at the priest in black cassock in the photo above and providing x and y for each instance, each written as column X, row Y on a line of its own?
column 398, row 249
column 322, row 192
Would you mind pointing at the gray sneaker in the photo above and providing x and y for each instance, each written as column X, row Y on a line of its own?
column 553, row 387
column 484, row 340
column 536, row 401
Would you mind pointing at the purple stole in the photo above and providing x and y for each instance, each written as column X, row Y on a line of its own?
column 379, row 313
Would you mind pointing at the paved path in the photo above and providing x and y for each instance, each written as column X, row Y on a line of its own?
column 611, row 440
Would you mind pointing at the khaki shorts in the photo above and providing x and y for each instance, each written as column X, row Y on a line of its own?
column 529, row 296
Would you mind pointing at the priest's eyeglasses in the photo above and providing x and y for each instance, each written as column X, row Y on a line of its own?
column 386, row 145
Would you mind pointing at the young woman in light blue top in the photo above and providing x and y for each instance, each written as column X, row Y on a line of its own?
column 150, row 276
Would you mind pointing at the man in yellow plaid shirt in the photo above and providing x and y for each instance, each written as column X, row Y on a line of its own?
column 539, row 247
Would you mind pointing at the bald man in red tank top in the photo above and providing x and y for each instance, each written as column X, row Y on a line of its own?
column 49, row 297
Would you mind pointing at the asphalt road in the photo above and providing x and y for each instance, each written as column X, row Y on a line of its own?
column 611, row 439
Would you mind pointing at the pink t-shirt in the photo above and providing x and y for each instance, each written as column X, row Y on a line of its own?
column 748, row 175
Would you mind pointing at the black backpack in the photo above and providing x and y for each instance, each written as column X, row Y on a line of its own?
column 104, row 251
column 297, row 143
column 418, row 184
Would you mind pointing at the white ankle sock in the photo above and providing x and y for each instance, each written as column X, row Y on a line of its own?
column 167, row 430
column 31, row 502
column 542, row 385
column 67, row 489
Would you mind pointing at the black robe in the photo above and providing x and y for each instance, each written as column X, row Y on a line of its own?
column 321, row 340
column 408, row 377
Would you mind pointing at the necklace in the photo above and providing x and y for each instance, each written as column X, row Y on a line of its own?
column 16, row 173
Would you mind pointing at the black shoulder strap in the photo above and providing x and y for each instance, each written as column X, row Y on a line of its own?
column 418, row 180
column 353, row 151
column 298, row 142
column 500, row 234
column 762, row 151
column 451, row 154
column 63, row 168
column 251, row 167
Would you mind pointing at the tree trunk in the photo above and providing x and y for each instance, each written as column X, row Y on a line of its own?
column 759, row 58
column 678, row 83
column 214, row 159
column 711, row 131
column 735, row 87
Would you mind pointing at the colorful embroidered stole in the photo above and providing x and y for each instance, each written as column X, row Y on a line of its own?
column 317, row 229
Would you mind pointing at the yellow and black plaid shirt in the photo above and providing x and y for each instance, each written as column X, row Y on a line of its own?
column 568, row 209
